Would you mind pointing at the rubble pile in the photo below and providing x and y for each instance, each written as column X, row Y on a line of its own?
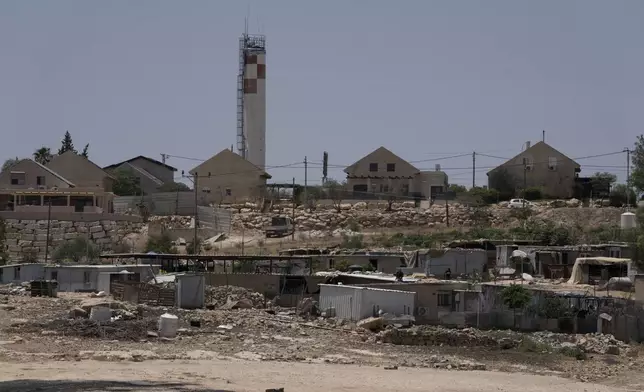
column 134, row 330
column 234, row 297
column 325, row 219
column 440, row 336
column 171, row 221
column 601, row 344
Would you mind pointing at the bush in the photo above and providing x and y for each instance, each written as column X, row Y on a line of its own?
column 160, row 244
column 77, row 249
column 484, row 195
column 617, row 196
column 342, row 265
column 352, row 241
column 353, row 225
column 533, row 193
column 121, row 247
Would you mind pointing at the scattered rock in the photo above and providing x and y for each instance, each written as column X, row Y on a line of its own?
column 372, row 323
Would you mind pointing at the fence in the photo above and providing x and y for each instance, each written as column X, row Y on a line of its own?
column 218, row 220
column 165, row 203
column 144, row 293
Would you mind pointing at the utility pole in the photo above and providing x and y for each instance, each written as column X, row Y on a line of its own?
column 293, row 213
column 195, row 181
column 163, row 157
column 48, row 226
column 306, row 171
column 628, row 177
column 473, row 169
column 195, row 247
column 525, row 181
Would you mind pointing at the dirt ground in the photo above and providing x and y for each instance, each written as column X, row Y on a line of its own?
column 245, row 376
column 248, row 349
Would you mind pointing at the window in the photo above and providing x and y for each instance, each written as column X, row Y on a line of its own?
column 444, row 299
column 16, row 273
column 229, row 192
column 86, row 277
column 18, row 178
column 391, row 167
column 373, row 167
column 552, row 163
column 384, row 188
column 54, row 275
column 40, row 180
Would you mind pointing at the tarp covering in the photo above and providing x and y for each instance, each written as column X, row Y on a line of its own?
column 576, row 276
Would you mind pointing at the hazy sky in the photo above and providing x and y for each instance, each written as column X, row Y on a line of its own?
column 426, row 79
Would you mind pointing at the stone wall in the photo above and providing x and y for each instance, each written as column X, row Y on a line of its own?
column 29, row 237
column 407, row 215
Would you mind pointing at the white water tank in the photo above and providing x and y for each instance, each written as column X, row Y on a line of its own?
column 168, row 325
column 628, row 221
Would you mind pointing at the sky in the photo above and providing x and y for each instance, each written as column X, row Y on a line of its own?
column 427, row 79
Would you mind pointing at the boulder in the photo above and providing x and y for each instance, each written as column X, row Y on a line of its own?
column 77, row 313
column 372, row 323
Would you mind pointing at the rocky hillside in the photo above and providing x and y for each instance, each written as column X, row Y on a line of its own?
column 363, row 216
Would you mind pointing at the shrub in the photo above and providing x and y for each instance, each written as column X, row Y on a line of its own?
column 121, row 247
column 533, row 193
column 77, row 249
column 484, row 195
column 353, row 225
column 352, row 241
column 160, row 244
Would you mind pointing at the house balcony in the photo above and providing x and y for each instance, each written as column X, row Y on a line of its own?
column 57, row 201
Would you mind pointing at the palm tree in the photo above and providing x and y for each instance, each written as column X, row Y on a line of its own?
column 43, row 155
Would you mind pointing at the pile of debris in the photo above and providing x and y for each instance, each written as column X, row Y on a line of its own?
column 472, row 337
column 440, row 336
column 15, row 289
column 113, row 330
column 233, row 297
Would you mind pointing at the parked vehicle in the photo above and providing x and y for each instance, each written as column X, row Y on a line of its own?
column 280, row 226
column 519, row 203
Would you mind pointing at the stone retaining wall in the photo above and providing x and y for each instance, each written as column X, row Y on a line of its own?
column 28, row 238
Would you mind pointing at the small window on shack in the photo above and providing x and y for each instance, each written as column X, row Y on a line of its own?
column 86, row 277
column 444, row 299
column 16, row 273
column 54, row 275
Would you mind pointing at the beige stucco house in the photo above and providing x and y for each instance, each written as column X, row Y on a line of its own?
column 382, row 173
column 539, row 166
column 152, row 174
column 229, row 178
column 28, row 186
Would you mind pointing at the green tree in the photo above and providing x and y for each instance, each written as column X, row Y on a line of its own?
column 601, row 183
column 457, row 188
column 174, row 187
column 126, row 184
column 85, row 153
column 43, row 155
column 160, row 244
column 77, row 249
column 503, row 182
column 9, row 162
column 637, row 158
column 67, row 144
column 620, row 194
column 336, row 192
column 515, row 297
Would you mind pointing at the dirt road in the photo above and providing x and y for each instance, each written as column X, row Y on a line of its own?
column 245, row 376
